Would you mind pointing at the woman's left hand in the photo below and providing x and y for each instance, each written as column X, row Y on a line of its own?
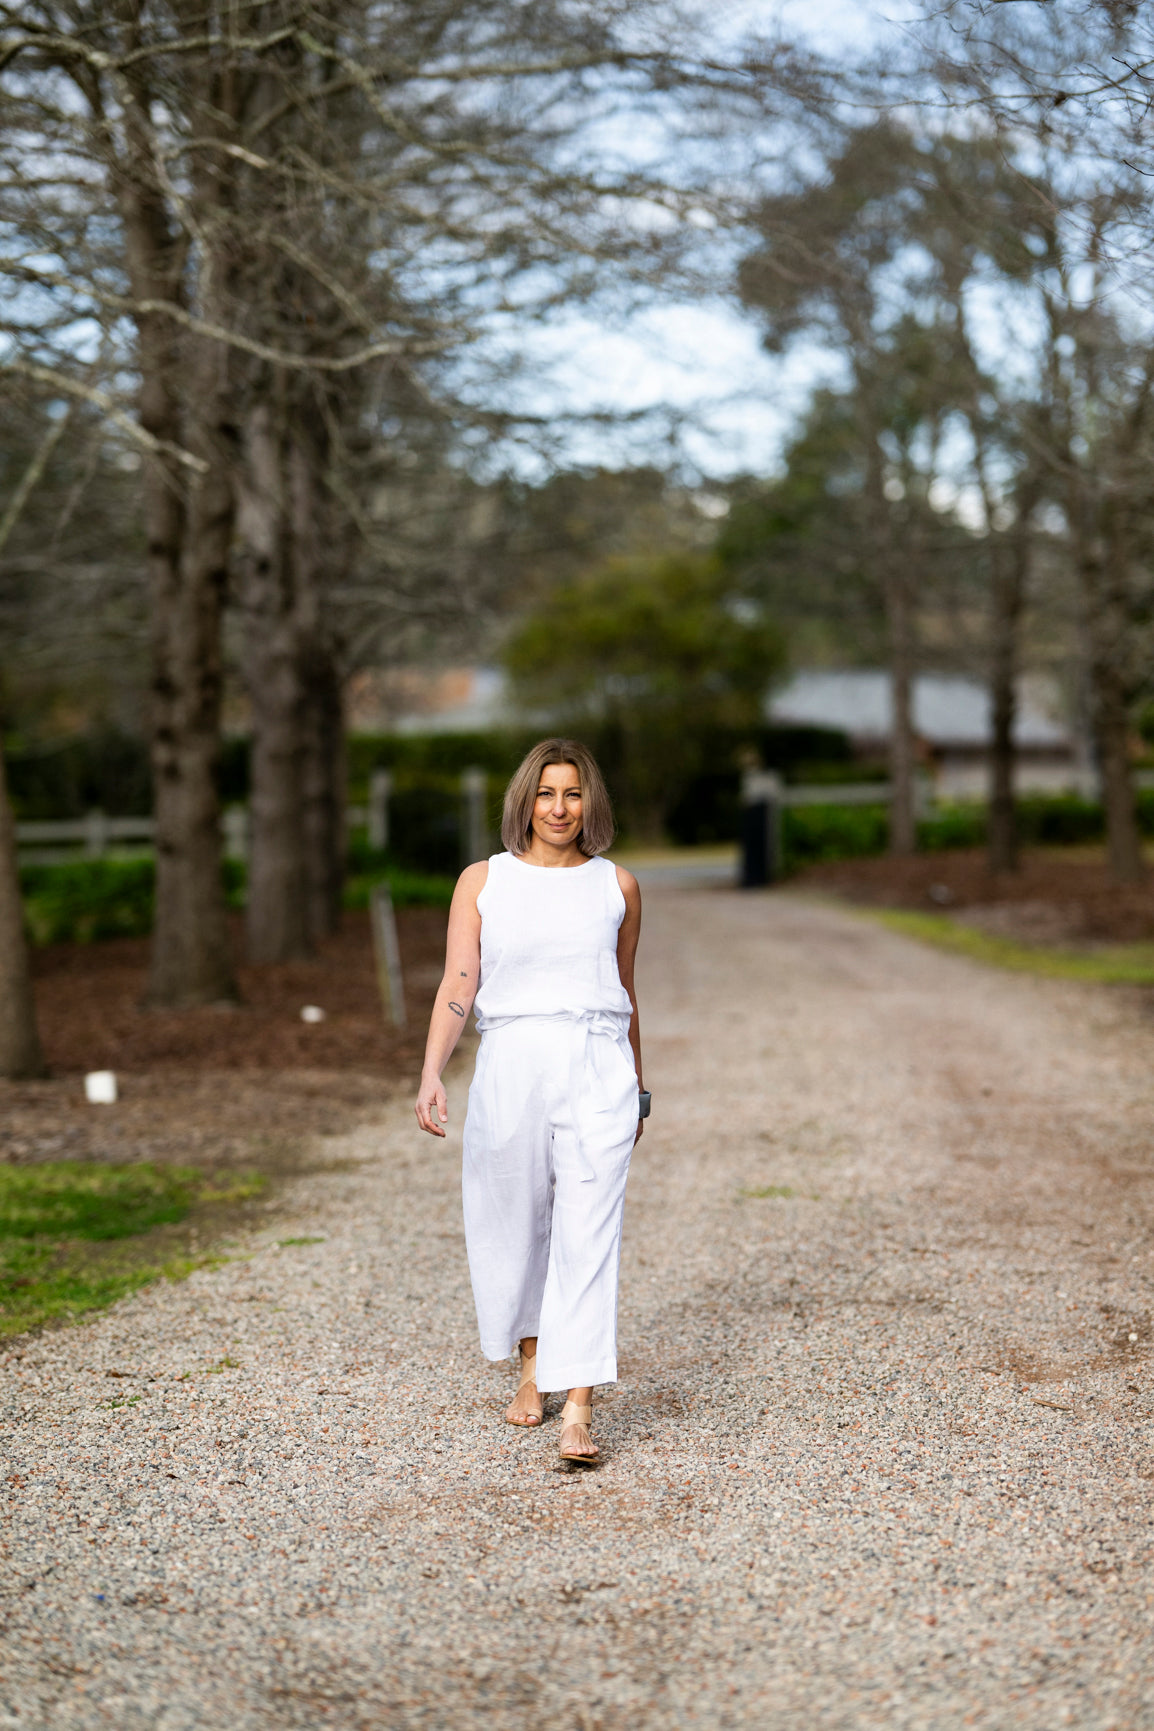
column 432, row 1105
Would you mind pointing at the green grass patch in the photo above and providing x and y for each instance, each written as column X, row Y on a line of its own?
column 76, row 1237
column 283, row 1243
column 763, row 1192
column 72, row 1199
column 1112, row 965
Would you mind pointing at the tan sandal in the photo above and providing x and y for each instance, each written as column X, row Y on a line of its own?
column 527, row 1421
column 571, row 1413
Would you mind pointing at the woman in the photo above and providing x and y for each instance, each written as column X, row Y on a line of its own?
column 543, row 938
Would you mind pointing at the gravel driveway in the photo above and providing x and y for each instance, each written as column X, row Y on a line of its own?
column 881, row 1455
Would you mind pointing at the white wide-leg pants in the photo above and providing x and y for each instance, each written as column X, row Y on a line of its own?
column 550, row 1128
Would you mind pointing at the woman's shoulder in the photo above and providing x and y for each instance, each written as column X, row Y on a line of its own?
column 472, row 881
column 626, row 883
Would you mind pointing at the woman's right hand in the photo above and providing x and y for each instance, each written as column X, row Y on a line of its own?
column 431, row 1105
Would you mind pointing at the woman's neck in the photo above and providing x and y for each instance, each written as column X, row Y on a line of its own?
column 549, row 855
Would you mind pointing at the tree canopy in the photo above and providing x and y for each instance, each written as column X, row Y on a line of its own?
column 658, row 655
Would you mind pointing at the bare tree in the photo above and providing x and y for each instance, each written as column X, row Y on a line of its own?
column 20, row 1053
column 823, row 266
column 1063, row 98
column 248, row 198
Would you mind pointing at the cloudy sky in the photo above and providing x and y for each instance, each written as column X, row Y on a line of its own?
column 704, row 361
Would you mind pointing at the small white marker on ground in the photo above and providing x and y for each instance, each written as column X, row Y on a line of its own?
column 312, row 1013
column 100, row 1088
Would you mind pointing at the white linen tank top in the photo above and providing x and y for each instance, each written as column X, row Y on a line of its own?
column 549, row 941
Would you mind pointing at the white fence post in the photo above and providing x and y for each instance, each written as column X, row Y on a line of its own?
column 95, row 835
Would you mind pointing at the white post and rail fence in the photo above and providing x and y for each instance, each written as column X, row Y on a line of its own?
column 764, row 797
column 98, row 836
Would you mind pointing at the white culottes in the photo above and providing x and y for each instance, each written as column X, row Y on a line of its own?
column 550, row 1128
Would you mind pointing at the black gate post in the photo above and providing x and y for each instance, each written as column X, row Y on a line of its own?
column 761, row 859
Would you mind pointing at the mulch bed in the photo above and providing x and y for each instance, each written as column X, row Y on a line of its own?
column 1057, row 896
column 222, row 1086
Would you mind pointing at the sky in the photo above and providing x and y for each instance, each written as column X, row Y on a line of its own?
column 734, row 403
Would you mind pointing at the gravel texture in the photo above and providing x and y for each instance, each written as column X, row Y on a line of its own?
column 881, row 1454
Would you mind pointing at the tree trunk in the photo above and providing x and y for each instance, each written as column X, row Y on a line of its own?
column 1008, row 593
column 1101, row 564
column 188, row 535
column 890, row 566
column 324, row 792
column 1123, row 838
column 903, row 825
column 1112, row 738
column 278, row 911
column 20, row 1053
column 317, row 545
column 191, row 952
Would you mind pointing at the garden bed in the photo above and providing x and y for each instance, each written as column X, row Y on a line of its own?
column 1059, row 896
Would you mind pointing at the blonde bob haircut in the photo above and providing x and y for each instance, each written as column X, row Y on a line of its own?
column 597, row 826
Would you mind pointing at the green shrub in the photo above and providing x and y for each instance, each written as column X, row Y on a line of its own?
column 952, row 826
column 408, row 889
column 434, row 758
column 105, row 769
column 88, row 899
column 831, row 832
column 1059, row 820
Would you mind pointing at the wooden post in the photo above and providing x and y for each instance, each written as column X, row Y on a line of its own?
column 20, row 1053
column 236, row 832
column 380, row 787
column 474, row 831
column 387, row 951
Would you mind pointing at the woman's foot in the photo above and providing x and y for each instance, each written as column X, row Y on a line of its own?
column 576, row 1443
column 526, row 1407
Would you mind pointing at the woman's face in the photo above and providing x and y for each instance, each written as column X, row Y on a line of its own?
column 557, row 808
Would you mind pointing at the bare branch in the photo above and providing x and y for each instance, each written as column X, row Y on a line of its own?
column 70, row 387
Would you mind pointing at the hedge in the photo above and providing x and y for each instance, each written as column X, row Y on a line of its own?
column 87, row 900
column 828, row 832
column 84, row 900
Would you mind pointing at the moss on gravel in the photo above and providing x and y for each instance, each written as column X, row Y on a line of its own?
column 1112, row 965
column 76, row 1236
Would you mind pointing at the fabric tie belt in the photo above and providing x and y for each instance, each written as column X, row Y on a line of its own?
column 613, row 1023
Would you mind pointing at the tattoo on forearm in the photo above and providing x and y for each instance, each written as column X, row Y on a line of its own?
column 456, row 1009
column 464, row 975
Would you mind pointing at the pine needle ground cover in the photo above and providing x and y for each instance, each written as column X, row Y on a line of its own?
column 76, row 1236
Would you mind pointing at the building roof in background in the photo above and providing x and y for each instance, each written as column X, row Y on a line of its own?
column 432, row 700
column 948, row 710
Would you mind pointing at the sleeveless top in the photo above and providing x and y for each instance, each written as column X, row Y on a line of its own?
column 549, row 942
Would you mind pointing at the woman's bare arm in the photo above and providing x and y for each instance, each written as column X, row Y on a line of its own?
column 627, row 936
column 454, row 997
